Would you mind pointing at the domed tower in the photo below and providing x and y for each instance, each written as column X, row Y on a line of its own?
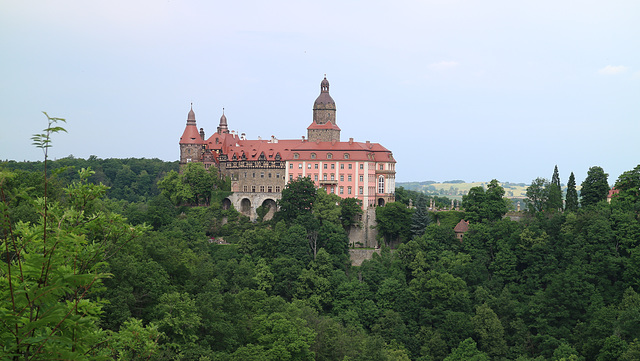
column 191, row 141
column 223, row 128
column 324, row 127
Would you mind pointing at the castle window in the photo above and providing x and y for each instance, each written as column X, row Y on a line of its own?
column 299, row 165
column 361, row 166
column 277, row 188
column 350, row 166
column 324, row 176
column 381, row 184
column 269, row 189
column 381, row 166
column 254, row 174
column 329, row 156
column 349, row 177
column 361, row 178
column 333, row 166
column 277, row 175
column 296, row 155
column 269, row 175
column 360, row 190
column 341, row 166
column 348, row 190
column 333, row 176
column 261, row 189
column 341, row 177
column 315, row 166
column 309, row 166
column 290, row 165
column 346, row 155
column 253, row 189
column 341, row 190
column 290, row 177
column 245, row 174
column 315, row 177
column 325, row 166
column 313, row 155
column 261, row 174
column 245, row 188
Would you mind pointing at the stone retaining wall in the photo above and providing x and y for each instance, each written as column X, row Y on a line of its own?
column 358, row 255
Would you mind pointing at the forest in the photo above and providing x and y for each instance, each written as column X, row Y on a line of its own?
column 108, row 259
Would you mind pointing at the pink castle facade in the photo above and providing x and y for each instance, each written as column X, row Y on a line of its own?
column 260, row 169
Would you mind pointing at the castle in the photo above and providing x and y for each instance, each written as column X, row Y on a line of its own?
column 259, row 169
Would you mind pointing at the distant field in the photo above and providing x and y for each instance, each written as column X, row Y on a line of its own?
column 456, row 190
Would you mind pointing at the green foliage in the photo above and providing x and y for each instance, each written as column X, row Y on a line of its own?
column 297, row 200
column 53, row 267
column 571, row 203
column 480, row 205
column 537, row 195
column 595, row 187
column 195, row 185
column 554, row 193
column 628, row 184
column 467, row 351
column 393, row 222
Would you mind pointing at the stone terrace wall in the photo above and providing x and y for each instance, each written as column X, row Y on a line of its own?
column 358, row 255
column 365, row 236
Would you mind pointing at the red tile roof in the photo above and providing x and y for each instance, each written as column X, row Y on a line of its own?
column 327, row 125
column 461, row 227
column 191, row 135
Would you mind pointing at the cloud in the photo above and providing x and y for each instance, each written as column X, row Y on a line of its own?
column 443, row 65
column 613, row 70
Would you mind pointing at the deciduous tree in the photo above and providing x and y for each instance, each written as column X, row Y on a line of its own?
column 595, row 187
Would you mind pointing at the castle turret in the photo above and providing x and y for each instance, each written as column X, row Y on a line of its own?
column 191, row 141
column 223, row 128
column 324, row 127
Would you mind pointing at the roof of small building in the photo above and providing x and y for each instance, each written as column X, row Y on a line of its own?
column 461, row 227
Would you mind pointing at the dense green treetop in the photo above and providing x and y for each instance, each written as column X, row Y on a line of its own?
column 595, row 187
column 571, row 204
column 489, row 205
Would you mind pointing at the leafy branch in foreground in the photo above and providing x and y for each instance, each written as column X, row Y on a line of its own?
column 51, row 269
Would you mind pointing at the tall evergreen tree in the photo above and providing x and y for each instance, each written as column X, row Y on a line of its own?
column 595, row 187
column 554, row 192
column 571, row 204
column 420, row 220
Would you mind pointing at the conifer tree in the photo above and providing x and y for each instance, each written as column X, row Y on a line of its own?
column 554, row 192
column 420, row 220
column 571, row 204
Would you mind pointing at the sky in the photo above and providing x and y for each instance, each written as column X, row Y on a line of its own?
column 469, row 90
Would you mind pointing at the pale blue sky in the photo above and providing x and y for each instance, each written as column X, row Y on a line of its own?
column 470, row 90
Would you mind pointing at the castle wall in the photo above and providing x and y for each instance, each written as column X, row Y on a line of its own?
column 365, row 235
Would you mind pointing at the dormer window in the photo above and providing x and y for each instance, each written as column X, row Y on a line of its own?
column 329, row 156
column 296, row 156
column 313, row 155
column 346, row 155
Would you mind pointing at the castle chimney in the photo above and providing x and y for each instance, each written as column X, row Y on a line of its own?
column 202, row 133
column 350, row 140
